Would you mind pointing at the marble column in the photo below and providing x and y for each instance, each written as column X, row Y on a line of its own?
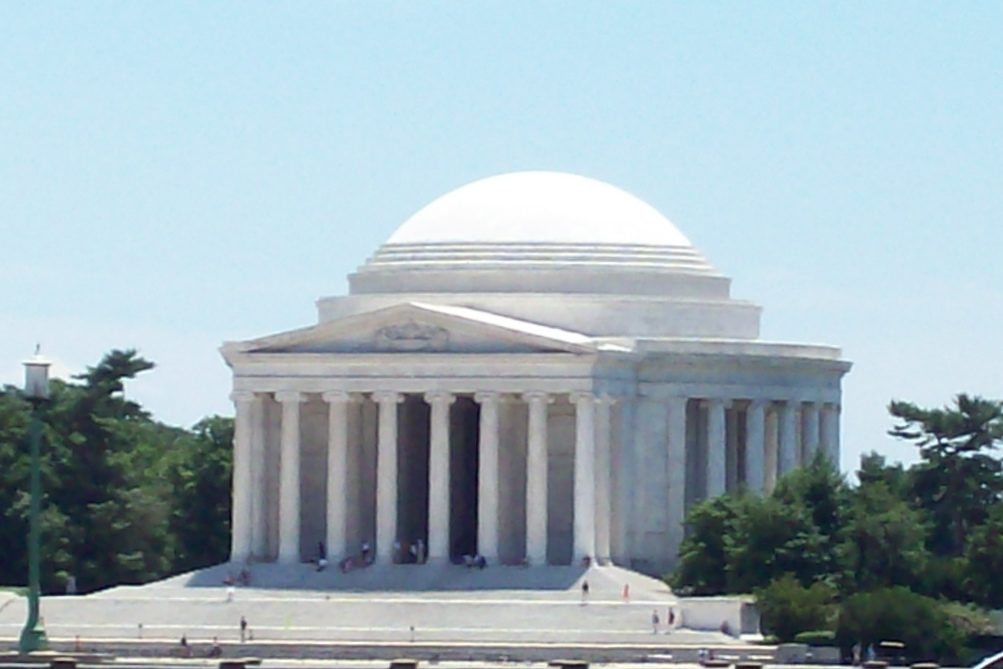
column 716, row 448
column 787, row 419
column 438, row 475
column 386, row 474
column 755, row 447
column 603, row 476
column 241, row 523
column 259, row 480
column 830, row 431
column 487, row 476
column 585, row 475
column 337, row 473
column 809, row 433
column 536, row 478
column 289, row 478
column 676, row 458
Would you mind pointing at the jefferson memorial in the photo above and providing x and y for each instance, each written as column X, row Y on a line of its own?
column 537, row 368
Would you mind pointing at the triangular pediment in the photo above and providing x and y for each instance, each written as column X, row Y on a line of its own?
column 414, row 328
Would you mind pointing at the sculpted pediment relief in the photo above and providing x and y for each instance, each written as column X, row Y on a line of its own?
column 413, row 328
column 411, row 336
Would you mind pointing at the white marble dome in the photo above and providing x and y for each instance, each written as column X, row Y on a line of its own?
column 534, row 222
column 539, row 207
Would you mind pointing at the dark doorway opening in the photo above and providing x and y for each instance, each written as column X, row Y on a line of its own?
column 464, row 428
column 412, row 475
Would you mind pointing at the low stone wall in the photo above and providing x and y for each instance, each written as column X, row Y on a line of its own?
column 740, row 616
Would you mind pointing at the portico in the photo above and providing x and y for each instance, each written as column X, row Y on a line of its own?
column 450, row 402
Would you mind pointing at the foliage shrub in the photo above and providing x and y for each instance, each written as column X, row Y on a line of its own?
column 899, row 614
column 787, row 608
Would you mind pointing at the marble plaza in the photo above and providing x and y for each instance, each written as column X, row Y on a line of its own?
column 538, row 368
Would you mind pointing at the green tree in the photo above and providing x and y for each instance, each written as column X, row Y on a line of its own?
column 703, row 559
column 884, row 541
column 126, row 499
column 874, row 468
column 788, row 608
column 15, row 416
column 200, row 473
column 984, row 554
column 741, row 542
column 958, row 479
column 769, row 538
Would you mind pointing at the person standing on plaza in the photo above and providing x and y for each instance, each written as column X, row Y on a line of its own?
column 655, row 621
column 243, row 629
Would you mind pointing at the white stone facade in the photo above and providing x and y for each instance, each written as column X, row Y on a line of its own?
column 537, row 368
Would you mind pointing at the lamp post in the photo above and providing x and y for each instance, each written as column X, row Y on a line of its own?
column 36, row 389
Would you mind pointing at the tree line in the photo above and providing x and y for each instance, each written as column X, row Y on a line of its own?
column 126, row 499
column 912, row 553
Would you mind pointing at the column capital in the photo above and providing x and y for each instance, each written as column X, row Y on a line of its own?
column 487, row 397
column 607, row 398
column 289, row 396
column 581, row 396
column 757, row 403
column 440, row 397
column 342, row 396
column 537, row 397
column 239, row 396
column 388, row 397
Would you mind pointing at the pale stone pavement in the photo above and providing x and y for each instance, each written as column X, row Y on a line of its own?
column 447, row 606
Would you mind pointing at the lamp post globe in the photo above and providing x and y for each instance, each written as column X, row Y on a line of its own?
column 36, row 390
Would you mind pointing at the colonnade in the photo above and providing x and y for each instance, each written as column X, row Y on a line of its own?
column 591, row 492
column 774, row 436
column 778, row 436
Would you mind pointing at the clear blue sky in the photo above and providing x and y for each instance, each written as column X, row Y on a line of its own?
column 173, row 175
